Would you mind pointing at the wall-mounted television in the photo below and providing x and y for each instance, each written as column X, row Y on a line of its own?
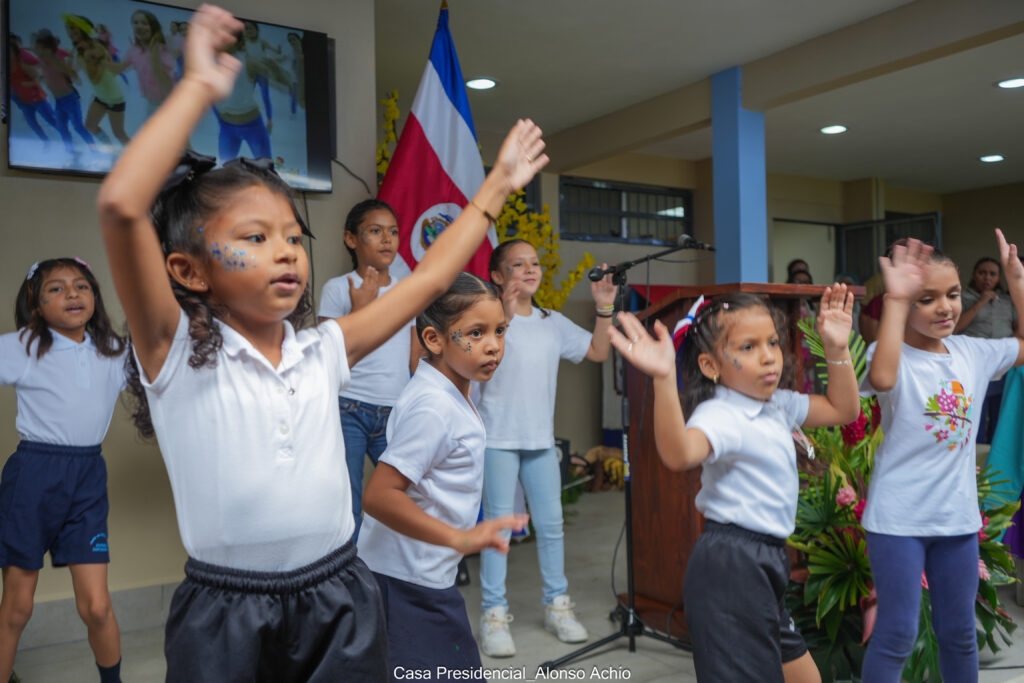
column 83, row 75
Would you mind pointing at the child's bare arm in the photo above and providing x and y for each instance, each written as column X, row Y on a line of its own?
column 679, row 447
column 904, row 275
column 125, row 198
column 841, row 403
column 1014, row 271
column 386, row 500
column 521, row 157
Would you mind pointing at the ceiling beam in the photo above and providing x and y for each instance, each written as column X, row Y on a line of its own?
column 913, row 34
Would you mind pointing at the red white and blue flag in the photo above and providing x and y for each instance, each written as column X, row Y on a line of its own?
column 436, row 168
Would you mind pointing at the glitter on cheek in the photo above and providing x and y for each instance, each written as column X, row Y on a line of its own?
column 230, row 258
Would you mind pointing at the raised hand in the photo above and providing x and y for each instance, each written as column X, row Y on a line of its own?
column 835, row 317
column 521, row 155
column 510, row 297
column 364, row 294
column 1012, row 267
column 210, row 32
column 655, row 356
column 604, row 290
column 488, row 534
column 903, row 274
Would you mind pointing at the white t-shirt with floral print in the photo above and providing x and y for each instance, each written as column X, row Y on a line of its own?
column 924, row 479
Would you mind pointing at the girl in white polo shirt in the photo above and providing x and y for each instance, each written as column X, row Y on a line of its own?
column 922, row 508
column 423, row 499
column 518, row 408
column 371, row 237
column 211, row 272
column 66, row 365
column 738, row 427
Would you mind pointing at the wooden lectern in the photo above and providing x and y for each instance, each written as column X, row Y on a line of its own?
column 664, row 520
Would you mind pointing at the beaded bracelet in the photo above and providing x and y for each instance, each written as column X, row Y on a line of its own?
column 838, row 362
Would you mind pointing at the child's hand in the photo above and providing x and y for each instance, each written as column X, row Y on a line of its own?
column 655, row 357
column 1012, row 266
column 604, row 290
column 366, row 293
column 210, row 31
column 904, row 272
column 488, row 534
column 510, row 297
column 835, row 317
column 521, row 155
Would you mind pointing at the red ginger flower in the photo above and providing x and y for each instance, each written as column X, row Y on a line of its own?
column 855, row 432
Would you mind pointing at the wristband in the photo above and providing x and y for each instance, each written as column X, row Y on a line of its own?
column 599, row 314
column 839, row 362
column 484, row 211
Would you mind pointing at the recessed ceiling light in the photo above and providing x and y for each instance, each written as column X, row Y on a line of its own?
column 481, row 83
column 1011, row 83
column 992, row 158
column 833, row 130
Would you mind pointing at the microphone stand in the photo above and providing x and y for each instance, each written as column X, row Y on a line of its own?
column 630, row 624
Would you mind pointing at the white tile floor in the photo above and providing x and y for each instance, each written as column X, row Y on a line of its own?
column 592, row 530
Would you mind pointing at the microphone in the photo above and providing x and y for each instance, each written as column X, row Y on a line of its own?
column 687, row 242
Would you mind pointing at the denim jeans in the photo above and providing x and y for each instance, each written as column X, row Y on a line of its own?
column 542, row 482
column 951, row 564
column 363, row 425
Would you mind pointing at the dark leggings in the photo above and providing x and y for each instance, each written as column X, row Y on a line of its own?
column 951, row 565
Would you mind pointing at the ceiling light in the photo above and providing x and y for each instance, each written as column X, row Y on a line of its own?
column 833, row 130
column 992, row 158
column 1011, row 83
column 481, row 83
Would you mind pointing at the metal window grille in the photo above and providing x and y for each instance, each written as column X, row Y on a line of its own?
column 607, row 211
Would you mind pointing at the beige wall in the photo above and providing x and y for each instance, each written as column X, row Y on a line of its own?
column 45, row 216
column 969, row 219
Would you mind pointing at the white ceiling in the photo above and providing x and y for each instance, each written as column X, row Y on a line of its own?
column 565, row 62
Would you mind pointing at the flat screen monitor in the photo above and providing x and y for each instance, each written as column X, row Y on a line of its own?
column 84, row 75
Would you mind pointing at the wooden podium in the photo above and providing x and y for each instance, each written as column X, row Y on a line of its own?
column 665, row 523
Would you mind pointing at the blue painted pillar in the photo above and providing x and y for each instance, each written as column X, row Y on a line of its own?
column 741, row 212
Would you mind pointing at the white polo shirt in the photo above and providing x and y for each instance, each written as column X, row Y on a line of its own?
column 924, row 481
column 379, row 377
column 750, row 479
column 254, row 453
column 68, row 396
column 518, row 403
column 436, row 440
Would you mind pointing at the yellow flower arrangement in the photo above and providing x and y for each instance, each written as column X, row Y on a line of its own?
column 391, row 115
column 515, row 216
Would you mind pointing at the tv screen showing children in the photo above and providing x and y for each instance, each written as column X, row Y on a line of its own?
column 84, row 75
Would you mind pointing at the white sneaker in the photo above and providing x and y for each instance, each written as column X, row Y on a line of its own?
column 495, row 638
column 560, row 620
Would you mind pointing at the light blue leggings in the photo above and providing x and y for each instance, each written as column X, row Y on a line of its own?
column 951, row 565
column 542, row 483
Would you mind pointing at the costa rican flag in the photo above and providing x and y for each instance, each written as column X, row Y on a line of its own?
column 436, row 168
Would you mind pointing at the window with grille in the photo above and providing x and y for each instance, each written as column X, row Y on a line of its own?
column 623, row 212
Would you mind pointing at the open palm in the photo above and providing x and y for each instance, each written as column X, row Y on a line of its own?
column 521, row 155
column 835, row 319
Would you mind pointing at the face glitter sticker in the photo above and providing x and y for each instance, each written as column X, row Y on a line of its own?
column 231, row 259
column 457, row 337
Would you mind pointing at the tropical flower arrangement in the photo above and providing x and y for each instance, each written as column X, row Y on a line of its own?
column 516, row 221
column 831, row 595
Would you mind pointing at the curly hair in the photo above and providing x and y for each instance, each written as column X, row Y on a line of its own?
column 29, row 319
column 705, row 335
column 178, row 215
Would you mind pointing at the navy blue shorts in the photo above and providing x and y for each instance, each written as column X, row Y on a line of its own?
column 428, row 631
column 321, row 623
column 53, row 498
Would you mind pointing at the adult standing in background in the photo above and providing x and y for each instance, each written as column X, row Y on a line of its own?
column 989, row 313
